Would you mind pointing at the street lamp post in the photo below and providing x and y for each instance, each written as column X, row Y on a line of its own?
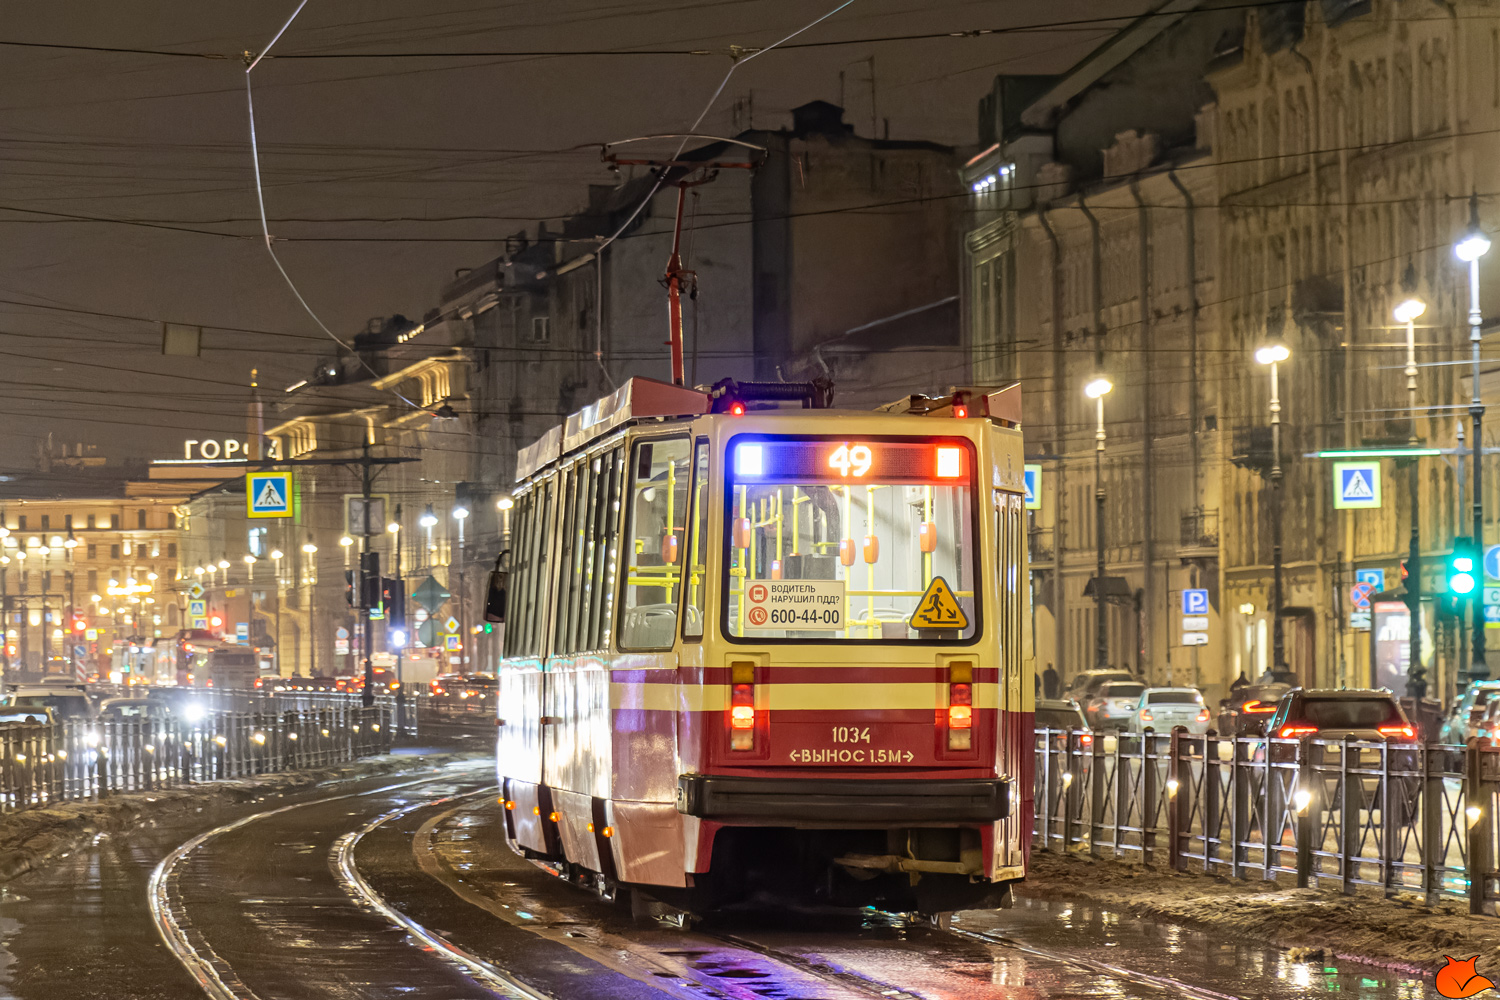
column 1473, row 245
column 1097, row 390
column 1407, row 312
column 1273, row 355
column 461, row 514
column 276, row 556
column 311, row 577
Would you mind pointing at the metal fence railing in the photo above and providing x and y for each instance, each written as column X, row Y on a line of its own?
column 91, row 758
column 1402, row 817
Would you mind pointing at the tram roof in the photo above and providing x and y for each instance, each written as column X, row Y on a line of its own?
column 644, row 398
column 637, row 399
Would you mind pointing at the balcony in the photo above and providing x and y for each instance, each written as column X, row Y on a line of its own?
column 1199, row 533
column 1040, row 544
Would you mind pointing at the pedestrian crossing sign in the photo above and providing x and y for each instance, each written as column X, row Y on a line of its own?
column 939, row 608
column 1356, row 485
column 268, row 494
column 1033, row 482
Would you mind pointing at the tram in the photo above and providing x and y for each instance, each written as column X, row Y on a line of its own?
column 761, row 649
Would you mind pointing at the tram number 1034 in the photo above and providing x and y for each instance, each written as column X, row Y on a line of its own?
column 851, row 460
column 851, row 734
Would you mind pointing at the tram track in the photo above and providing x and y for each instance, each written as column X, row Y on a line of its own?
column 609, row 947
column 696, row 964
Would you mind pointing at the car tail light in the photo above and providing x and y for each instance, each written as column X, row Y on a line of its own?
column 1146, row 715
column 1257, row 707
column 960, row 705
column 1404, row 731
column 1292, row 730
column 1086, row 739
column 742, row 706
column 1203, row 715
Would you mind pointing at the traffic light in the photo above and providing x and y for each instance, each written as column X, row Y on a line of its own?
column 79, row 625
column 1463, row 568
column 393, row 599
column 349, row 587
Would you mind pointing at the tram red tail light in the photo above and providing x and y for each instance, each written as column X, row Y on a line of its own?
column 742, row 706
column 960, row 705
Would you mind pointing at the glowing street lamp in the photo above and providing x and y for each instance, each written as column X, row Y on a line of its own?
column 1096, row 390
column 1471, row 246
column 1272, row 355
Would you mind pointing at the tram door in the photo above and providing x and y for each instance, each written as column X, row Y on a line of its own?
column 1015, row 741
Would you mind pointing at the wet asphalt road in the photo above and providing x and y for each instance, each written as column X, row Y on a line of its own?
column 265, row 906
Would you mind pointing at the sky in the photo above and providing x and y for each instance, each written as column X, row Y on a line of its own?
column 127, row 194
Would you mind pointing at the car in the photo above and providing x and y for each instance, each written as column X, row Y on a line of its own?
column 1084, row 686
column 1059, row 713
column 31, row 714
column 1466, row 719
column 123, row 709
column 1246, row 711
column 1165, row 708
column 65, row 703
column 1114, row 705
column 1371, row 714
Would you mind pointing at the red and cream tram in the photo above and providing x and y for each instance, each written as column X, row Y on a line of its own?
column 761, row 650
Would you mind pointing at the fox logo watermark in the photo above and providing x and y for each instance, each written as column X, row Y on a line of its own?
column 1459, row 979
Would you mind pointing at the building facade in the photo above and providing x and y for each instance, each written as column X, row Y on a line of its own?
column 1308, row 170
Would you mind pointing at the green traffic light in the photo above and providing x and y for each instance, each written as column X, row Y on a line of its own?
column 1461, row 583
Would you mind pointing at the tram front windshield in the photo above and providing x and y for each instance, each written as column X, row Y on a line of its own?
column 840, row 540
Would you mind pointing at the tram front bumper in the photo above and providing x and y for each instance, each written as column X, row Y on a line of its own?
column 844, row 800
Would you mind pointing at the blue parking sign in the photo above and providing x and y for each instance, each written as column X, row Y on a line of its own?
column 1374, row 577
column 1033, row 487
column 1195, row 602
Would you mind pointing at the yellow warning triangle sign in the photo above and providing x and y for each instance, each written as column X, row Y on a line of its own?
column 939, row 608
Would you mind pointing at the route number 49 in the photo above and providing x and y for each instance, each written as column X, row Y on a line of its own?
column 851, row 461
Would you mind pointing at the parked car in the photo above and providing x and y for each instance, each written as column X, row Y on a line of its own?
column 65, row 703
column 1246, row 711
column 1114, row 705
column 120, row 709
column 1164, row 708
column 1060, row 713
column 30, row 714
column 1082, row 687
column 1466, row 719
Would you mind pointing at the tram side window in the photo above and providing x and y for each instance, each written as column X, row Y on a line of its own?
column 697, row 565
column 658, row 506
column 570, row 555
column 591, row 498
column 524, row 635
column 604, row 552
